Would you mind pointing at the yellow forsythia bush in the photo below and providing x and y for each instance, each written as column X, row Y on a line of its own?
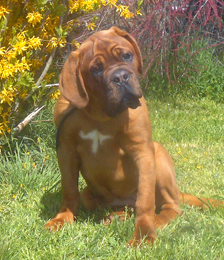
column 30, row 33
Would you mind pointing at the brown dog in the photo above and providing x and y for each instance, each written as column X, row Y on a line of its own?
column 104, row 131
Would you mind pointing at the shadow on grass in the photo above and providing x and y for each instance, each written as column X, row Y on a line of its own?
column 51, row 202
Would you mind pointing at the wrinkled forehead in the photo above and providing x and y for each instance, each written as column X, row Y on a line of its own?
column 107, row 39
column 103, row 44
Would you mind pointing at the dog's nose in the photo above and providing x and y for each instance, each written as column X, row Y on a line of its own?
column 120, row 76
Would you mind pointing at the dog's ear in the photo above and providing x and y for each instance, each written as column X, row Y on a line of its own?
column 131, row 39
column 71, row 83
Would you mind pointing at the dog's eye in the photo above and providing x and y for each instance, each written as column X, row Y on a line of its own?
column 127, row 57
column 97, row 70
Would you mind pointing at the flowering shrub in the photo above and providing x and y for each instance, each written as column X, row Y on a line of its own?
column 30, row 34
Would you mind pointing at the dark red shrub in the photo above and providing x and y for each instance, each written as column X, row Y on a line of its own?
column 166, row 27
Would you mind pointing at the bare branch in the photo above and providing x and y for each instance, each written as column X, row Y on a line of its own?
column 48, row 64
column 25, row 121
column 49, row 85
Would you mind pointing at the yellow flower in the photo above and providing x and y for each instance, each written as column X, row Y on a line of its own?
column 53, row 43
column 103, row 2
column 49, row 27
column 24, row 165
column 6, row 69
column 74, row 6
column 36, row 64
column 21, row 35
column 2, row 128
column 7, row 95
column 21, row 66
column 62, row 42
column 3, row 11
column 11, row 54
column 88, row 6
column 34, row 43
column 91, row 26
column 124, row 11
column 5, row 122
column 55, row 95
column 49, row 76
column 199, row 167
column 20, row 46
column 4, row 115
column 121, row 8
column 139, row 12
column 21, row 186
column 34, row 165
column 179, row 150
column 76, row 44
column 34, row 18
column 112, row 3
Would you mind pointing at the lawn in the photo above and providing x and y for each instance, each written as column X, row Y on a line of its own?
column 192, row 131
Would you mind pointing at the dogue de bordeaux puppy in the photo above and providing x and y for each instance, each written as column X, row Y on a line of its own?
column 104, row 132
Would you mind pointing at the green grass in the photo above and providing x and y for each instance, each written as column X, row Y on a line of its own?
column 197, row 75
column 192, row 131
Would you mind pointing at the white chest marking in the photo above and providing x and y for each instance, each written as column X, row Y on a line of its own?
column 96, row 137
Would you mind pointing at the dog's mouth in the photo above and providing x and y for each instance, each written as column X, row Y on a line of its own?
column 128, row 101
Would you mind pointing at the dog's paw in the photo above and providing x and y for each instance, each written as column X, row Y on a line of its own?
column 121, row 215
column 144, row 232
column 54, row 224
column 57, row 222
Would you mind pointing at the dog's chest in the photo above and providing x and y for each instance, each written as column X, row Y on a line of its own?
column 96, row 139
column 104, row 164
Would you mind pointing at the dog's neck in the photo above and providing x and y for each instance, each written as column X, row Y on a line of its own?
column 96, row 112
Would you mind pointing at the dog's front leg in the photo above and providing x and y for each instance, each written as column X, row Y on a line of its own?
column 69, row 166
column 145, row 204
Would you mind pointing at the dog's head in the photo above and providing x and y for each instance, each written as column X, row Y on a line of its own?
column 104, row 71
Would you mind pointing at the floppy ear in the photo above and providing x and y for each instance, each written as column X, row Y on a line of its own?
column 128, row 37
column 71, row 82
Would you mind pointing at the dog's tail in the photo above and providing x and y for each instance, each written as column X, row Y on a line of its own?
column 199, row 202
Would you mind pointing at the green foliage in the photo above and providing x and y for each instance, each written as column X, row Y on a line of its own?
column 209, row 81
column 199, row 75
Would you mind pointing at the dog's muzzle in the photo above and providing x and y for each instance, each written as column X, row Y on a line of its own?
column 124, row 91
column 121, row 79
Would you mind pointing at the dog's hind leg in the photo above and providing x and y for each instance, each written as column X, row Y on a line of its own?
column 167, row 193
column 167, row 213
column 89, row 200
